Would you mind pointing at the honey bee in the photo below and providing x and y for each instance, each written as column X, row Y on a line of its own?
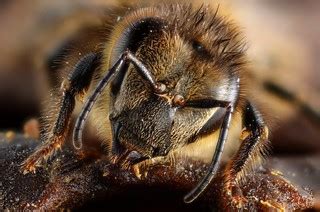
column 168, row 80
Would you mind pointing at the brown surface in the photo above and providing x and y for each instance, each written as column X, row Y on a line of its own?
column 68, row 182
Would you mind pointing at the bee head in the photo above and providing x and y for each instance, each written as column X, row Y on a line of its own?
column 195, row 54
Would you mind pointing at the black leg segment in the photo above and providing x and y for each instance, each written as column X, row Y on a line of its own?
column 254, row 143
column 252, row 149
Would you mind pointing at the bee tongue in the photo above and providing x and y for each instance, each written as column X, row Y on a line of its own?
column 128, row 158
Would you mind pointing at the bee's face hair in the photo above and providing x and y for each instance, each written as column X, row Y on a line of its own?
column 193, row 51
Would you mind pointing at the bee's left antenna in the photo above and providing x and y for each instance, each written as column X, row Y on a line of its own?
column 158, row 88
column 77, row 132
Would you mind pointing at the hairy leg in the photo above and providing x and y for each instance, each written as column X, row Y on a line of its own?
column 74, row 87
column 252, row 149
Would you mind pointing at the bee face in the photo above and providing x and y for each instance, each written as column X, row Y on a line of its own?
column 175, row 76
column 186, row 50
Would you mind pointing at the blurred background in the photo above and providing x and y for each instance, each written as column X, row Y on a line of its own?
column 284, row 48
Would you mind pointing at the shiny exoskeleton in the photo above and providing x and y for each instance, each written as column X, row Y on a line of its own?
column 168, row 77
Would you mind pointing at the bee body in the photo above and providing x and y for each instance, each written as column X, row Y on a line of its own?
column 167, row 80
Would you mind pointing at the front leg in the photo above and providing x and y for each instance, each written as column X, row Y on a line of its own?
column 75, row 86
column 252, row 149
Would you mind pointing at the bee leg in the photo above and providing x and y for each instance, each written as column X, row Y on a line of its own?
column 252, row 149
column 141, row 169
column 75, row 86
column 310, row 112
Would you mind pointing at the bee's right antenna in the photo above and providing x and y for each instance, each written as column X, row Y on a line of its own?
column 158, row 88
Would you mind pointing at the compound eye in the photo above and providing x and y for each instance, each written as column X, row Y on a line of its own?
column 179, row 100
